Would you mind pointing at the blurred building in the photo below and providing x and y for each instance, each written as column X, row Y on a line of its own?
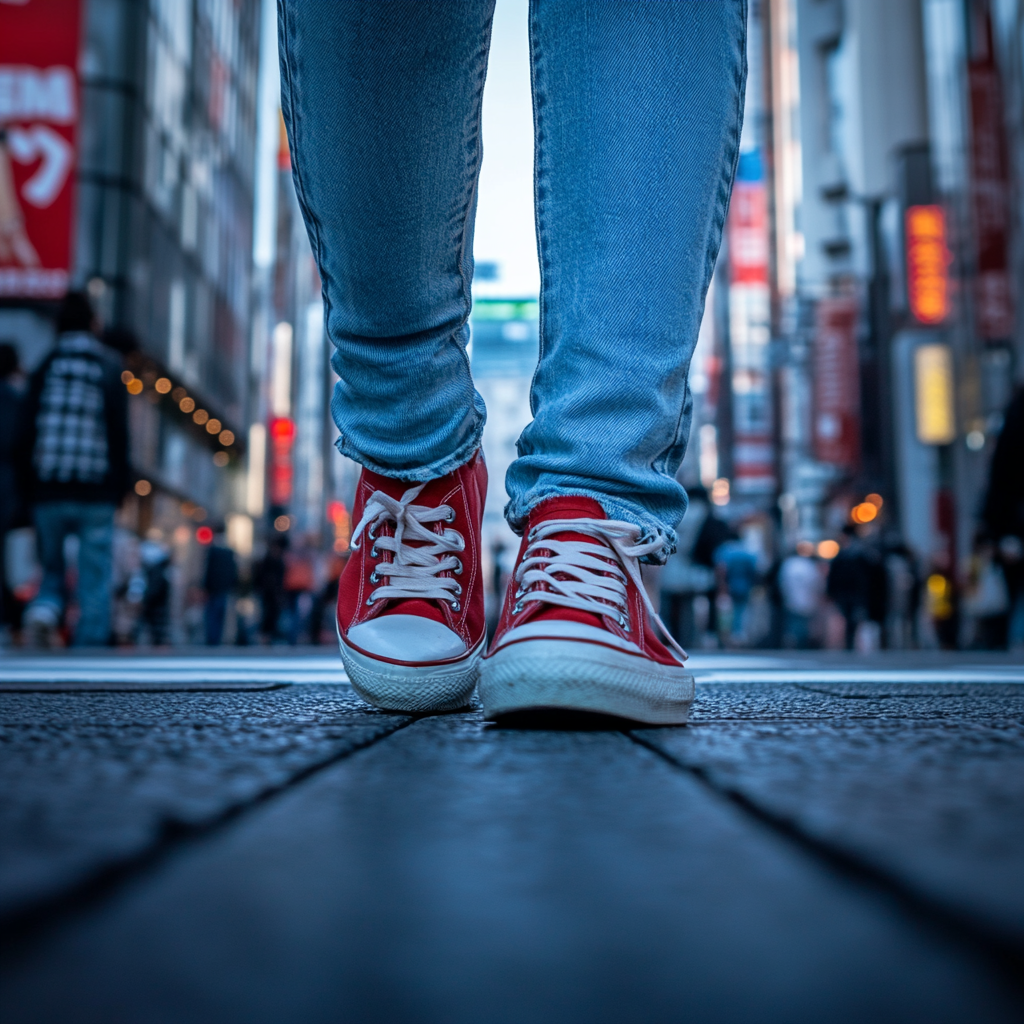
column 161, row 232
column 861, row 336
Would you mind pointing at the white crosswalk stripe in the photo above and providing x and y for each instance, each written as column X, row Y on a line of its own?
column 254, row 671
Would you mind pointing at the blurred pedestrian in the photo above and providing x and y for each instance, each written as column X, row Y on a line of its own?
column 683, row 580
column 75, row 453
column 1003, row 512
column 904, row 594
column 801, row 589
column 738, row 567
column 856, row 583
column 299, row 584
column 713, row 533
column 324, row 602
column 268, row 578
column 219, row 582
column 155, row 610
column 12, row 498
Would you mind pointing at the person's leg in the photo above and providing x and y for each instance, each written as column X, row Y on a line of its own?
column 51, row 524
column 216, row 609
column 638, row 109
column 382, row 106
column 95, row 526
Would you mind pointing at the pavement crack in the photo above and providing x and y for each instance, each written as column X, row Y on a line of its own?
column 22, row 924
column 1002, row 950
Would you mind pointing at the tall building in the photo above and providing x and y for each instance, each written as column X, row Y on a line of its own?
column 905, row 339
column 159, row 225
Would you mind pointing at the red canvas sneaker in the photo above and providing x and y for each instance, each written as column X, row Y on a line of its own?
column 575, row 632
column 411, row 599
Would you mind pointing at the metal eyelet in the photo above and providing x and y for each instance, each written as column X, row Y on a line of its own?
column 624, row 623
column 374, row 553
column 458, row 567
column 449, row 516
column 374, row 578
column 369, row 600
column 532, row 535
column 372, row 533
column 458, row 589
column 517, row 607
column 456, row 606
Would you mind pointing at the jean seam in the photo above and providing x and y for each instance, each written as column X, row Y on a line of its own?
column 290, row 113
column 537, row 96
column 474, row 183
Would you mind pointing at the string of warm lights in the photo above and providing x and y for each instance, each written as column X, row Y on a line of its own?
column 187, row 405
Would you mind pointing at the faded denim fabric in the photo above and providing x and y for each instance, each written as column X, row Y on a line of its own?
column 93, row 523
column 637, row 110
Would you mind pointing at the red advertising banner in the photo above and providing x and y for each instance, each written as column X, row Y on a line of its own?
column 990, row 187
column 748, row 233
column 39, row 41
column 837, row 384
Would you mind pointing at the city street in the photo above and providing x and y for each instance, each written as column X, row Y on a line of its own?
column 236, row 837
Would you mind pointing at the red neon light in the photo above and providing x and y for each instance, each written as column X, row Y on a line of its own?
column 204, row 535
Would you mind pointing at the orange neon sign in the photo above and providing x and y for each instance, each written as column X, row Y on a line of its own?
column 927, row 264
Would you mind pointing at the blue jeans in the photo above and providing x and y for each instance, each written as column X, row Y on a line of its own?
column 637, row 112
column 93, row 524
column 214, row 614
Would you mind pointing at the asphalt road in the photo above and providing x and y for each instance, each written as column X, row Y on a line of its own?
column 225, row 838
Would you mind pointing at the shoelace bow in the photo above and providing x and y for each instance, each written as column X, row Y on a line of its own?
column 597, row 572
column 414, row 571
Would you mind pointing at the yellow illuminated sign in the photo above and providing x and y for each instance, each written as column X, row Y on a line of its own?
column 933, row 388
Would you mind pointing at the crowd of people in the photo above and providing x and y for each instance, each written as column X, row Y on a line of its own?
column 65, row 469
column 866, row 591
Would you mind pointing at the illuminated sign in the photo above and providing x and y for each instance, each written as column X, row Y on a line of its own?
column 282, row 440
column 38, row 137
column 927, row 264
column 933, row 391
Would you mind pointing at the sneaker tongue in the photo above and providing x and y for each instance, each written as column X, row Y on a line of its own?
column 415, row 606
column 571, row 507
column 408, row 605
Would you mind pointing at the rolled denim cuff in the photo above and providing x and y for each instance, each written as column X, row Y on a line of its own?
column 419, row 474
column 651, row 528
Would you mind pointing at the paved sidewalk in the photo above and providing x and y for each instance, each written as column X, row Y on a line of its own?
column 829, row 840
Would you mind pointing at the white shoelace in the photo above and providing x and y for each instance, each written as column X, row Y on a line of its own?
column 414, row 571
column 598, row 572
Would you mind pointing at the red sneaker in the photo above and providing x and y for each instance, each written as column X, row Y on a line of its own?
column 411, row 599
column 574, row 631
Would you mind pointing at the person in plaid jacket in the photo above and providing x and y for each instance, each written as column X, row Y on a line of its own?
column 75, row 458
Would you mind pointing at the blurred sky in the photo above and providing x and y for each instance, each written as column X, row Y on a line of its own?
column 505, row 232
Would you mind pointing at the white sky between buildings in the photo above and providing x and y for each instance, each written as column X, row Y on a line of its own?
column 505, row 233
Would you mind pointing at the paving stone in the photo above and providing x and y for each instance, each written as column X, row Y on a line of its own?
column 803, row 701
column 93, row 779
column 926, row 783
column 461, row 872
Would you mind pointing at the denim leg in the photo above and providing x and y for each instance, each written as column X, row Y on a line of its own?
column 95, row 562
column 637, row 112
column 382, row 105
column 51, row 521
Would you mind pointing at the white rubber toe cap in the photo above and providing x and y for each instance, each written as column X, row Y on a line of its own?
column 407, row 638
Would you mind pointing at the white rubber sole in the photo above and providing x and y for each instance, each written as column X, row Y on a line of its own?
column 413, row 687
column 571, row 675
